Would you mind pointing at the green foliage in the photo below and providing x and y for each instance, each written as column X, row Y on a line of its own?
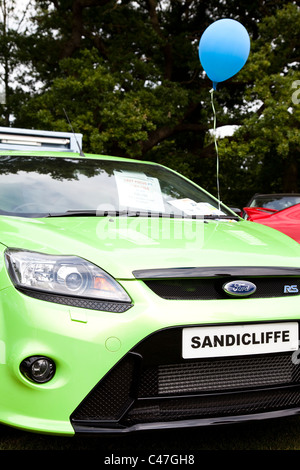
column 129, row 77
column 268, row 141
column 96, row 103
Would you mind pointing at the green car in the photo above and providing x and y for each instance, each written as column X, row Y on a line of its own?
column 131, row 299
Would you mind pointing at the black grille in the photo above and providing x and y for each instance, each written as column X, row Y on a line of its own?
column 108, row 401
column 153, row 384
column 213, row 406
column 93, row 304
column 218, row 375
column 211, row 288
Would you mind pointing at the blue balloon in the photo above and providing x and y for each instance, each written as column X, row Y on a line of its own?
column 224, row 49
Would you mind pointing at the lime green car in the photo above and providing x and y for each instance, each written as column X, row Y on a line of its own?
column 131, row 299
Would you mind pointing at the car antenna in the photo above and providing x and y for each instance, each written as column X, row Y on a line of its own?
column 80, row 149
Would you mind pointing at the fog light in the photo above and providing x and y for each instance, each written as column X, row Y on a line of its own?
column 38, row 369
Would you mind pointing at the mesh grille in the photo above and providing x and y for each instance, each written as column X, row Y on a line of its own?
column 109, row 401
column 207, row 289
column 219, row 375
column 106, row 306
column 143, row 389
column 212, row 406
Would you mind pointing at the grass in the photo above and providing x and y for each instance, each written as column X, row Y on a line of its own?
column 279, row 434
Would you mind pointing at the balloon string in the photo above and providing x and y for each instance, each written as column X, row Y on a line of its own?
column 215, row 141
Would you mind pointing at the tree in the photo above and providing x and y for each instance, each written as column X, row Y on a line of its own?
column 128, row 75
column 267, row 145
column 12, row 27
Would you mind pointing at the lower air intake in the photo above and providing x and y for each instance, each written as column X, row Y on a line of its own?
column 153, row 384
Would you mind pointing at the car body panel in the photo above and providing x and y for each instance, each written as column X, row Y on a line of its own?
column 143, row 243
column 87, row 344
column 286, row 220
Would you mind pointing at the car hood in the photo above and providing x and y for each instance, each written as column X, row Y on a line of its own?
column 123, row 245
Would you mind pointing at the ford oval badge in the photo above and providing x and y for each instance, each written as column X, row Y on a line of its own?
column 239, row 288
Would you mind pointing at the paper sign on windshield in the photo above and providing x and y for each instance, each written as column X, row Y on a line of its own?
column 190, row 207
column 138, row 191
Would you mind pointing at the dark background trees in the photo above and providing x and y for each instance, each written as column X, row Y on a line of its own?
column 129, row 76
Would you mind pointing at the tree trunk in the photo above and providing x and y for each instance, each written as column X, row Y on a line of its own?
column 290, row 175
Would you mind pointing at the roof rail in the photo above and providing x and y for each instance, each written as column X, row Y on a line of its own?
column 28, row 139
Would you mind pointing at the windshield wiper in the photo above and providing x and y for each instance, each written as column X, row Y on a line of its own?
column 79, row 213
column 96, row 213
column 214, row 217
column 176, row 216
column 108, row 213
column 126, row 213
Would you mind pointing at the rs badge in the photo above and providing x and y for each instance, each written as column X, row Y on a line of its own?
column 291, row 289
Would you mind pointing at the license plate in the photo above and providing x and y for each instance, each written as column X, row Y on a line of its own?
column 237, row 340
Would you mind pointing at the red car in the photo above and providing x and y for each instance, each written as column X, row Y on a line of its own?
column 281, row 212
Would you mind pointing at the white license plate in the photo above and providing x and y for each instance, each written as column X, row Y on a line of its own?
column 237, row 340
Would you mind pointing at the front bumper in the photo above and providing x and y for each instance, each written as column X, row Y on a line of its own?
column 108, row 364
column 152, row 387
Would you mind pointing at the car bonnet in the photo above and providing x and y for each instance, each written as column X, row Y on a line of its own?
column 123, row 245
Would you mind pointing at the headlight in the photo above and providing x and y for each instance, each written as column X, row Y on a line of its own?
column 62, row 275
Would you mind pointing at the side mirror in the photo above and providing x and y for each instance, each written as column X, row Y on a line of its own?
column 238, row 211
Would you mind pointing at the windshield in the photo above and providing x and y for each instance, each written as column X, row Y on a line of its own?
column 55, row 186
column 276, row 202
